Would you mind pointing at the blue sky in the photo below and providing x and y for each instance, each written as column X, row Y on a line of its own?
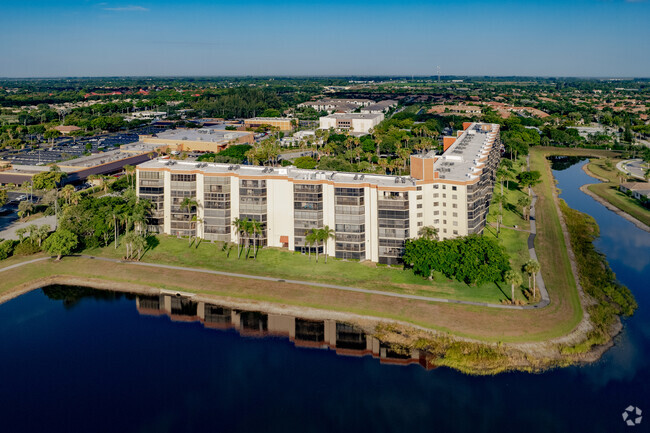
column 596, row 38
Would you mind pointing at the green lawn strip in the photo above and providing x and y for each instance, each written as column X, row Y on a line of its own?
column 609, row 190
column 550, row 246
column 280, row 264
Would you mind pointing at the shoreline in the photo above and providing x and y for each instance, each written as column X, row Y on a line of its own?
column 585, row 189
column 532, row 357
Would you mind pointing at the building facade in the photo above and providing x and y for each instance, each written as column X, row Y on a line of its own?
column 282, row 123
column 359, row 123
column 371, row 215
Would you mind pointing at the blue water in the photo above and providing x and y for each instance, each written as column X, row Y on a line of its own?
column 99, row 366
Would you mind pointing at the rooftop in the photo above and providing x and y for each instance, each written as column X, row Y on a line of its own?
column 203, row 134
column 354, row 116
column 461, row 160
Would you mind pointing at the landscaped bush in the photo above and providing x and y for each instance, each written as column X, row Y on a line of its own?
column 26, row 248
column 7, row 248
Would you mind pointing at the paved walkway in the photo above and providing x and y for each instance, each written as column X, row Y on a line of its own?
column 531, row 250
column 299, row 282
column 9, row 232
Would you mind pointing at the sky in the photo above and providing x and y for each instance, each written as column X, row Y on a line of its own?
column 75, row 38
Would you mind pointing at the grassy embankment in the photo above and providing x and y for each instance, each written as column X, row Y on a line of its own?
column 597, row 280
column 609, row 190
column 484, row 324
column 282, row 264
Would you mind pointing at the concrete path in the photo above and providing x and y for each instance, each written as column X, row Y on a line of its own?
column 299, row 282
column 531, row 250
column 9, row 232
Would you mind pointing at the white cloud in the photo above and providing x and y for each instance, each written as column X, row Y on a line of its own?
column 130, row 8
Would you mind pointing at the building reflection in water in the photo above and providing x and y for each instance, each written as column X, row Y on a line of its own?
column 341, row 337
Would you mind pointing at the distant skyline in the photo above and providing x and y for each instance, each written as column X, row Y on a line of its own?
column 74, row 38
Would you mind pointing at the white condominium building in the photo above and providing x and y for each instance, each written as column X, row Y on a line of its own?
column 372, row 215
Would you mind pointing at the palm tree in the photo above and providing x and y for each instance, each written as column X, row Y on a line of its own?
column 189, row 203
column 130, row 172
column 325, row 234
column 429, row 232
column 248, row 231
column 42, row 233
column 257, row 229
column 237, row 224
column 67, row 192
column 514, row 279
column 524, row 202
column 316, row 239
column 532, row 267
column 310, row 238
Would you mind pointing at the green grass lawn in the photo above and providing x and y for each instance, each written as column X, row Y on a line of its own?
column 283, row 264
column 609, row 190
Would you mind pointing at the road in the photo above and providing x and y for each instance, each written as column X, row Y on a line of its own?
column 633, row 167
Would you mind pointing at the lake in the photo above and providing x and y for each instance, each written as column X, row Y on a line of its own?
column 107, row 362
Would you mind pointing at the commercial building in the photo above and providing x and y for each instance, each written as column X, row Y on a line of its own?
column 358, row 123
column 282, row 123
column 379, row 107
column 372, row 215
column 198, row 140
column 336, row 105
column 79, row 169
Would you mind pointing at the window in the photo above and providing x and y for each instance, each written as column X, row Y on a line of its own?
column 435, row 203
column 444, row 221
column 436, row 195
column 419, row 205
column 436, row 221
column 453, row 188
column 455, row 232
column 436, row 212
column 455, row 214
column 454, row 205
column 435, row 186
column 444, row 230
column 419, row 188
column 455, row 223
column 444, row 187
column 420, row 215
column 444, row 204
column 420, row 224
column 455, row 197
column 419, row 197
column 444, row 213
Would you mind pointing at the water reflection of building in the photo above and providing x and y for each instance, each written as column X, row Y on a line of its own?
column 344, row 338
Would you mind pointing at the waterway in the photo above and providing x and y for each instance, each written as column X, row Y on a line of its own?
column 91, row 361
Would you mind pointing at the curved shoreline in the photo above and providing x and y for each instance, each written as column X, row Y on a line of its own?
column 585, row 189
column 529, row 357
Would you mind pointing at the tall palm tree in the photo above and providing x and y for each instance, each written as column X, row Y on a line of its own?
column 237, row 224
column 514, row 279
column 189, row 203
column 248, row 231
column 67, row 192
column 310, row 238
column 532, row 267
column 316, row 239
column 325, row 234
column 524, row 202
column 257, row 230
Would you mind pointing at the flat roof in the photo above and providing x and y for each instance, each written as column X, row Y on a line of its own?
column 461, row 160
column 210, row 135
column 459, row 163
column 291, row 172
column 353, row 115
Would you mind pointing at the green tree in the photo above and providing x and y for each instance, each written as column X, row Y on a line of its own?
column 514, row 279
column 532, row 267
column 524, row 202
column 529, row 179
column 61, row 242
column 190, row 205
column 429, row 232
column 324, row 235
